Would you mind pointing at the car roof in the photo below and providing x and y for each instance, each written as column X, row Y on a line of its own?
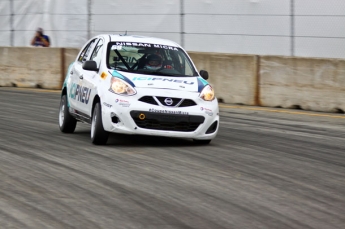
column 141, row 39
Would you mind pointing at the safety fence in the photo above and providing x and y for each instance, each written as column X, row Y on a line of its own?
column 306, row 28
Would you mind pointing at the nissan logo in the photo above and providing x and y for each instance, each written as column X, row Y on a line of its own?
column 168, row 101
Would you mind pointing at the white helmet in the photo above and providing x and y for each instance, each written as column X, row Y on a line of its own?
column 153, row 62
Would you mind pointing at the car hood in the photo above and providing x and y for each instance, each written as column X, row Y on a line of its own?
column 193, row 84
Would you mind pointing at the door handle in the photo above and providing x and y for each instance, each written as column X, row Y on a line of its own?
column 71, row 73
column 81, row 77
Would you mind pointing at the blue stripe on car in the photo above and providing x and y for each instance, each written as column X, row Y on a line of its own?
column 118, row 75
column 201, row 84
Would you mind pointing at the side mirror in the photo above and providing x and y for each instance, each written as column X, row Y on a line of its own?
column 204, row 74
column 90, row 65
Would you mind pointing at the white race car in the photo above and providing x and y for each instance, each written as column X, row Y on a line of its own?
column 138, row 85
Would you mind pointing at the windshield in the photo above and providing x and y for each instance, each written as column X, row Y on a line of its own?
column 152, row 59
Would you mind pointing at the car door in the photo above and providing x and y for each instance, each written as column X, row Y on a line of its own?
column 80, row 93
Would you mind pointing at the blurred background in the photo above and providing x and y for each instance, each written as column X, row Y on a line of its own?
column 309, row 28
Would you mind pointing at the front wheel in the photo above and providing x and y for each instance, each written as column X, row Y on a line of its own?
column 98, row 135
column 67, row 122
column 201, row 142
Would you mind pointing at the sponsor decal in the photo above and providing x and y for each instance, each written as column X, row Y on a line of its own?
column 104, row 75
column 165, row 47
column 80, row 93
column 118, row 45
column 167, row 111
column 162, row 79
column 207, row 111
column 107, row 105
column 122, row 102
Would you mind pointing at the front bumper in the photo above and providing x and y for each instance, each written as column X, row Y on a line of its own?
column 128, row 115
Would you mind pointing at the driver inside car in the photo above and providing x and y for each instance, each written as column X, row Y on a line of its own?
column 153, row 62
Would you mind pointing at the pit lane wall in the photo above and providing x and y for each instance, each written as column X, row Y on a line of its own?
column 273, row 81
column 313, row 84
column 31, row 67
column 305, row 83
column 234, row 77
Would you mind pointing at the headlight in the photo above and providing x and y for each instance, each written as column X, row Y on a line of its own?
column 207, row 93
column 121, row 87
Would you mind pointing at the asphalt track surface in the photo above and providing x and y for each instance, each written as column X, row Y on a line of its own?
column 267, row 168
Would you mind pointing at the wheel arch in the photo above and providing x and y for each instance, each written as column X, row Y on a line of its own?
column 64, row 91
column 96, row 99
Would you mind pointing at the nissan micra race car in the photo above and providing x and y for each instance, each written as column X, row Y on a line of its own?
column 138, row 85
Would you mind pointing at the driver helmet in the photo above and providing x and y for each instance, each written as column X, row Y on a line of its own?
column 153, row 62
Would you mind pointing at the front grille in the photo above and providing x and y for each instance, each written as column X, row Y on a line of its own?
column 148, row 99
column 187, row 103
column 169, row 122
column 175, row 101
column 162, row 101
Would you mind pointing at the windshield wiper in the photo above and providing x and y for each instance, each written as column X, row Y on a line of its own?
column 145, row 72
column 120, row 68
column 160, row 73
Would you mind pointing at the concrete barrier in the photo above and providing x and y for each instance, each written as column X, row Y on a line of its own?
column 34, row 67
column 234, row 77
column 273, row 81
column 30, row 67
column 307, row 83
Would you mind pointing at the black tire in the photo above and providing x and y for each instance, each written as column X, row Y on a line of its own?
column 201, row 142
column 67, row 122
column 98, row 135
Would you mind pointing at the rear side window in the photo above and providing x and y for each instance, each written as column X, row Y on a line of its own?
column 86, row 51
column 97, row 53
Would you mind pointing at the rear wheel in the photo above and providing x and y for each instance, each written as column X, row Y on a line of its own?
column 201, row 142
column 98, row 135
column 67, row 122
